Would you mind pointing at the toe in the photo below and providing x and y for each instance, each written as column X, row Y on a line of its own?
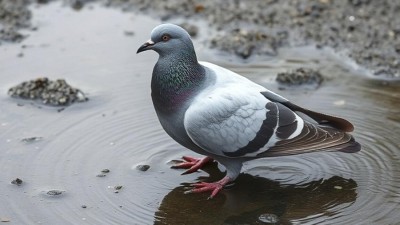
column 183, row 165
column 189, row 159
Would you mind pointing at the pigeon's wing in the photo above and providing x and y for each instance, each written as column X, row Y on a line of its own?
column 236, row 121
column 238, row 118
column 244, row 123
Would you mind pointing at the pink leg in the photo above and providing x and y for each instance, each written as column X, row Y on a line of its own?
column 193, row 164
column 213, row 187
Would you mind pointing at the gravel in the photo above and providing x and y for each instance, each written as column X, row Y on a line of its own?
column 300, row 76
column 54, row 93
column 368, row 31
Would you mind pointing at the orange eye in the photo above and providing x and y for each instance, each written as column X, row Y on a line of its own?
column 165, row 37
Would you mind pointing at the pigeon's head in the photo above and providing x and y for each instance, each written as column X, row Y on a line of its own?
column 167, row 39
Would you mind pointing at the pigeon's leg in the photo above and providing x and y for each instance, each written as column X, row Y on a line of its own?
column 214, row 187
column 193, row 164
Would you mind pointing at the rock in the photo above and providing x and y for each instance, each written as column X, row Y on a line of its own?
column 31, row 139
column 105, row 171
column 143, row 167
column 55, row 93
column 17, row 182
column 268, row 218
column 5, row 219
column 129, row 33
column 300, row 76
column 54, row 192
column 245, row 43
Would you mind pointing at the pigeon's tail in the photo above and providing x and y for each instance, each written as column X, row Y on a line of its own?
column 350, row 147
column 320, row 118
column 314, row 138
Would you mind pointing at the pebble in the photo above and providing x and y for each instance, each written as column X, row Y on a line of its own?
column 54, row 192
column 268, row 218
column 116, row 188
column 4, row 219
column 143, row 167
column 31, row 139
column 105, row 171
column 339, row 102
column 17, row 182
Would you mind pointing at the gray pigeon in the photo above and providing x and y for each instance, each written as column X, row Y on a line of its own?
column 228, row 118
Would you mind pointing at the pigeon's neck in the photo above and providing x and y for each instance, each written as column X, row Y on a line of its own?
column 176, row 79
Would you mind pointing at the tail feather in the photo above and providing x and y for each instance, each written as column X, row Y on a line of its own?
column 351, row 147
column 314, row 138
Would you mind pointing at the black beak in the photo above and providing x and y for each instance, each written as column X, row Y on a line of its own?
column 146, row 46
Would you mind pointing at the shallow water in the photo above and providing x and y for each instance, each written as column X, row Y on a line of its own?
column 117, row 129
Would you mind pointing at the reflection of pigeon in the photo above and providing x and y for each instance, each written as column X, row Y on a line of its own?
column 310, row 203
column 220, row 114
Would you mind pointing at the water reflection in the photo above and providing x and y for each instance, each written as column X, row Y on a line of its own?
column 253, row 196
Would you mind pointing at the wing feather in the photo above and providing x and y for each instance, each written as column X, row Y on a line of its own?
column 237, row 118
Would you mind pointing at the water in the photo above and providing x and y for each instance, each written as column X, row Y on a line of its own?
column 117, row 129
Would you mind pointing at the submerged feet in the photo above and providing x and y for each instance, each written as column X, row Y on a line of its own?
column 214, row 187
column 192, row 164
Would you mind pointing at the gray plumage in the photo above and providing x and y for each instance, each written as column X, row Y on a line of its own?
column 220, row 114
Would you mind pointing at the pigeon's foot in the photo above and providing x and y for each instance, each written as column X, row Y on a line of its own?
column 213, row 187
column 193, row 164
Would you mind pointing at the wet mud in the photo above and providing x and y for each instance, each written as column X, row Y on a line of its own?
column 366, row 31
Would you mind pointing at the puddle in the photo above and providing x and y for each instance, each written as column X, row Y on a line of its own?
column 117, row 129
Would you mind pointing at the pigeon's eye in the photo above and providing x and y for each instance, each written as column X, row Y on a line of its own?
column 166, row 37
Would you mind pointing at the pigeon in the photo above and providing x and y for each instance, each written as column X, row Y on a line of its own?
column 228, row 118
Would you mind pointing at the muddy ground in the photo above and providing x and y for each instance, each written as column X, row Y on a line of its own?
column 367, row 31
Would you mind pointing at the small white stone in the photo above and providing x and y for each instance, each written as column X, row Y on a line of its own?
column 339, row 102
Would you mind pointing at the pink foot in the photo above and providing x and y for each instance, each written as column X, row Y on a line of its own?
column 213, row 187
column 193, row 164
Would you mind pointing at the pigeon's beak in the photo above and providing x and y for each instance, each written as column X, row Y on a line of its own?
column 146, row 46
